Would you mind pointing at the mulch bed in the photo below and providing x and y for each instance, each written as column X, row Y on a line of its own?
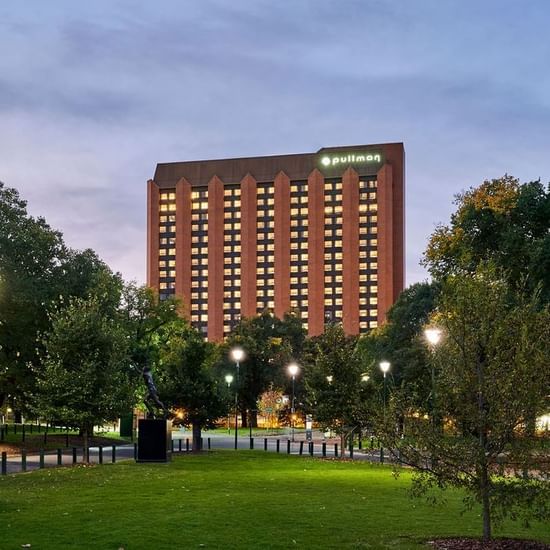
column 496, row 544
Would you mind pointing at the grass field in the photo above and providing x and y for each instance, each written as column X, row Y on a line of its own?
column 228, row 500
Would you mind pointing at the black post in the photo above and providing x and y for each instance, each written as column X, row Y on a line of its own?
column 113, row 454
column 41, row 454
column 265, row 443
column 172, row 443
column 4, row 463
column 381, row 455
column 23, row 433
column 324, row 449
column 201, row 444
column 301, row 446
column 1, row 433
column 101, row 454
column 74, row 455
column 288, row 446
column 209, row 443
column 336, row 449
column 179, row 445
column 135, row 451
column 24, row 460
column 351, row 448
column 187, row 445
column 278, row 445
column 311, row 448
column 59, row 457
column 251, row 442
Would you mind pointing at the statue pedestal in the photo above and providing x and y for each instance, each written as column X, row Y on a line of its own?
column 154, row 440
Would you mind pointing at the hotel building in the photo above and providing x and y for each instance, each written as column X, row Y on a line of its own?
column 320, row 234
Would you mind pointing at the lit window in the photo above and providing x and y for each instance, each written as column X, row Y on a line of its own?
column 373, row 324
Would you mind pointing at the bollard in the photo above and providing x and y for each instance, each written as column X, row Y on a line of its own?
column 135, row 451
column 113, row 454
column 311, row 448
column 336, row 449
column 59, row 457
column 301, row 447
column 187, row 445
column 172, row 444
column 179, row 445
column 209, row 444
column 86, row 454
column 74, row 455
column 41, row 455
column 360, row 445
column 201, row 443
column 265, row 443
column 4, row 463
column 351, row 449
column 100, row 454
column 381, row 455
column 324, row 449
column 278, row 445
column 288, row 446
column 24, row 461
column 251, row 442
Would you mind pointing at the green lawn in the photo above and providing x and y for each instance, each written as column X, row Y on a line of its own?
column 227, row 500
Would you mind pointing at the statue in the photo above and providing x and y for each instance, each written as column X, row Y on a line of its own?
column 152, row 398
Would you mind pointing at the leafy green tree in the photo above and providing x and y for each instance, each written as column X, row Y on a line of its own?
column 30, row 255
column 336, row 393
column 492, row 378
column 400, row 341
column 187, row 380
column 501, row 221
column 85, row 379
column 270, row 344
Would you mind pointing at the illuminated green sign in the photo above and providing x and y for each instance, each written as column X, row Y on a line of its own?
column 350, row 158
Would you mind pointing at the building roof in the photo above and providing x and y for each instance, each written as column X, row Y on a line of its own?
column 296, row 166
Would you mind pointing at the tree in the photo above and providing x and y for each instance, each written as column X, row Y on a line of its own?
column 501, row 221
column 335, row 392
column 187, row 380
column 30, row 255
column 492, row 376
column 398, row 342
column 85, row 379
column 270, row 343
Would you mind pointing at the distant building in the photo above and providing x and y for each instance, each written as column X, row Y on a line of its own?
column 319, row 233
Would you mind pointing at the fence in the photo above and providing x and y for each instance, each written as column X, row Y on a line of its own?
column 104, row 454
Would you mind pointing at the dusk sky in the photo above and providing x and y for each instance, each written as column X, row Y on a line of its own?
column 94, row 94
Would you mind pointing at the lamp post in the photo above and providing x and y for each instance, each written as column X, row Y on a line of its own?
column 433, row 336
column 385, row 367
column 228, row 379
column 237, row 354
column 293, row 369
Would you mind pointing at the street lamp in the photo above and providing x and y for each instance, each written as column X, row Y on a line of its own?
column 293, row 369
column 237, row 354
column 385, row 367
column 433, row 336
column 228, row 379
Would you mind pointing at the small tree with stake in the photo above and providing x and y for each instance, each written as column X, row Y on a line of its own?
column 492, row 378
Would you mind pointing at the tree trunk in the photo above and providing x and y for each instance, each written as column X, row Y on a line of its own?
column 486, row 506
column 197, row 447
column 244, row 418
column 253, row 418
column 85, row 434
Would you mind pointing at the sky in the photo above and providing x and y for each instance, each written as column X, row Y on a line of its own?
column 94, row 94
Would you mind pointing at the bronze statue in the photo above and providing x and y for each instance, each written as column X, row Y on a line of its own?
column 152, row 397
